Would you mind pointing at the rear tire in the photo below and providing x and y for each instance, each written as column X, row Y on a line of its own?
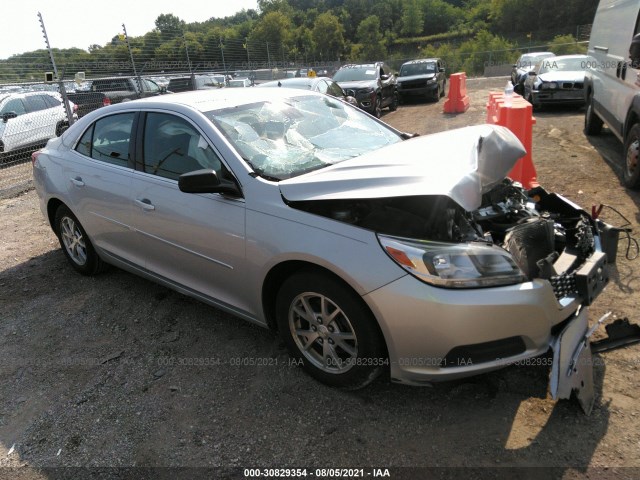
column 631, row 171
column 75, row 243
column 330, row 330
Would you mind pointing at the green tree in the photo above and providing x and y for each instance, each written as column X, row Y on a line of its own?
column 412, row 18
column 328, row 36
column 275, row 28
column 371, row 38
column 566, row 45
column 169, row 26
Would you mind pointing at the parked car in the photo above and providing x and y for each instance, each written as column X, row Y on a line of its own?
column 557, row 80
column 373, row 85
column 197, row 82
column 315, row 84
column 523, row 66
column 422, row 78
column 239, row 83
column 29, row 120
column 356, row 242
column 612, row 91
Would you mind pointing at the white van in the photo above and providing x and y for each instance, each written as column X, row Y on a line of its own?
column 612, row 83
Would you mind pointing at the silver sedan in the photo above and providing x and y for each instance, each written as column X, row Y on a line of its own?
column 368, row 249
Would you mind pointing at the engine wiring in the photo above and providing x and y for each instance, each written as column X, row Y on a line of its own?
column 632, row 242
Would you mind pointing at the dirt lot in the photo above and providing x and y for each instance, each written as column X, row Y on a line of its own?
column 90, row 373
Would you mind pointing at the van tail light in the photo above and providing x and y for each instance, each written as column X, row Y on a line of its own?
column 106, row 102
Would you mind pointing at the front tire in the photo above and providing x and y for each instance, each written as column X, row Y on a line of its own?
column 592, row 122
column 631, row 173
column 377, row 108
column 330, row 330
column 394, row 102
column 61, row 127
column 76, row 244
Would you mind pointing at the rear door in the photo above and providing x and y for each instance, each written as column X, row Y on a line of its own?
column 99, row 184
column 194, row 240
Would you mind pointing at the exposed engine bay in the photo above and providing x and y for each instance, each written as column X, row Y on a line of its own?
column 547, row 236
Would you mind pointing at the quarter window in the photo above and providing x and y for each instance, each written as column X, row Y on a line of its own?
column 108, row 139
column 172, row 146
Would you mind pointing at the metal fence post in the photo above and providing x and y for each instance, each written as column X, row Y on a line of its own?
column 133, row 65
column 63, row 91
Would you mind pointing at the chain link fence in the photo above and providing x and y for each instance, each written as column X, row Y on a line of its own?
column 34, row 86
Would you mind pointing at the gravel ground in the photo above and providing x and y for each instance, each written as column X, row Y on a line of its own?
column 115, row 371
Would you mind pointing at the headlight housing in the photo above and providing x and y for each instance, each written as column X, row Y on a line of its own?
column 453, row 265
column 366, row 91
column 548, row 85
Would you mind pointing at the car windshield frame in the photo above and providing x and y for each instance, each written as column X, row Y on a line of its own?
column 287, row 137
column 356, row 73
column 418, row 68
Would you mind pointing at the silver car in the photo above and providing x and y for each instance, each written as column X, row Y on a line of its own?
column 369, row 250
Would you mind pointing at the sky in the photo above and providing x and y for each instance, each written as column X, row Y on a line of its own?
column 85, row 22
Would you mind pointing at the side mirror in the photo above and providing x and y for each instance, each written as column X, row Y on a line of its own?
column 384, row 77
column 206, row 181
column 8, row 116
column 634, row 51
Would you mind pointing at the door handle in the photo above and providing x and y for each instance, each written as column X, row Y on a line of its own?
column 77, row 181
column 145, row 203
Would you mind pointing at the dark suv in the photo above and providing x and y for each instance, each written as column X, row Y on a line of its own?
column 373, row 86
column 422, row 78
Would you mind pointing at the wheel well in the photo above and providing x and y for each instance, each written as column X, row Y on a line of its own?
column 631, row 121
column 52, row 207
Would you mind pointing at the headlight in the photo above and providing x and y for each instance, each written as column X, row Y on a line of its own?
column 453, row 265
column 431, row 80
column 548, row 85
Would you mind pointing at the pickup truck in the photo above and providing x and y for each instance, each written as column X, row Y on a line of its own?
column 109, row 91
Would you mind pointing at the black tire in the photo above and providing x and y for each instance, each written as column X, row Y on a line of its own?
column 320, row 344
column 394, row 102
column 61, row 127
column 435, row 95
column 631, row 170
column 444, row 87
column 592, row 122
column 75, row 243
column 377, row 108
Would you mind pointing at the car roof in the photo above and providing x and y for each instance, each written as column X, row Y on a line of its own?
column 420, row 60
column 207, row 100
column 305, row 82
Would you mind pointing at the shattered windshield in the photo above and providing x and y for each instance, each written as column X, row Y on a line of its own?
column 285, row 138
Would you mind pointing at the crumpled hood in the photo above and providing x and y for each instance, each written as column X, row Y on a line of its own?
column 462, row 164
column 564, row 76
column 359, row 84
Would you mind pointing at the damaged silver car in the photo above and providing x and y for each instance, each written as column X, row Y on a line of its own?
column 368, row 249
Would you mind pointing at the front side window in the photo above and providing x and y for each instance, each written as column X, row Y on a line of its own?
column 108, row 139
column 172, row 146
column 335, row 90
column 14, row 105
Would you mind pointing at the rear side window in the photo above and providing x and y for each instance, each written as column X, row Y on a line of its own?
column 51, row 102
column 108, row 139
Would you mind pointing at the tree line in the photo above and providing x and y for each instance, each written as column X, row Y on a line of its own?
column 335, row 30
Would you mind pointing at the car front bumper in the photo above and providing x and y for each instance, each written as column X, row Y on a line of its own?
column 435, row 334
column 574, row 96
column 417, row 89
